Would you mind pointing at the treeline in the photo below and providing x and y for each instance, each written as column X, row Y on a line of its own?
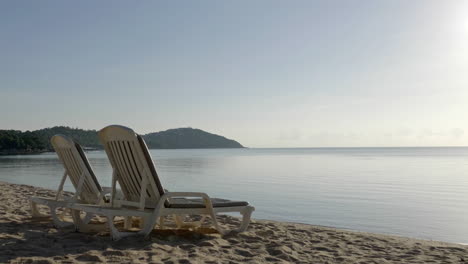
column 17, row 142
column 14, row 141
column 86, row 138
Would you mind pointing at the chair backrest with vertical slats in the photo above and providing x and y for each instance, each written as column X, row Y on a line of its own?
column 132, row 163
column 77, row 165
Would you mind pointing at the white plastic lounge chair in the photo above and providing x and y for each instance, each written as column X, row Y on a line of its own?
column 78, row 169
column 144, row 196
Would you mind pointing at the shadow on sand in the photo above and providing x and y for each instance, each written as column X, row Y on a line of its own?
column 30, row 241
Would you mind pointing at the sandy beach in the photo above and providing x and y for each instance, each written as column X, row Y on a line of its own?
column 23, row 240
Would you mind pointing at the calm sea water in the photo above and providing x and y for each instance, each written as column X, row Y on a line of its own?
column 416, row 192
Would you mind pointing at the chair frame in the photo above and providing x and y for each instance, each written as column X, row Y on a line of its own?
column 142, row 195
column 77, row 169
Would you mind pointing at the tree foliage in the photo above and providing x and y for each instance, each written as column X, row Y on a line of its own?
column 14, row 141
column 21, row 141
column 86, row 138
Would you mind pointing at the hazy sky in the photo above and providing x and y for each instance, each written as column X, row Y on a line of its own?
column 266, row 73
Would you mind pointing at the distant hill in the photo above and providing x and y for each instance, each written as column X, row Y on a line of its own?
column 188, row 138
column 18, row 142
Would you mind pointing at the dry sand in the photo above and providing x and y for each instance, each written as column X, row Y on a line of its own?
column 23, row 240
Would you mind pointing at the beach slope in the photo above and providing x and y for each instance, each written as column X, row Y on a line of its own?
column 25, row 241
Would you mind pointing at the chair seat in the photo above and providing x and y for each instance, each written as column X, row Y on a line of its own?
column 198, row 203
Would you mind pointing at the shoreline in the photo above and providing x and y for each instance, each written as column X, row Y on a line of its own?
column 11, row 152
column 90, row 149
column 23, row 240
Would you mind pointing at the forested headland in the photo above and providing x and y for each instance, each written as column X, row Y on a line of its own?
column 37, row 141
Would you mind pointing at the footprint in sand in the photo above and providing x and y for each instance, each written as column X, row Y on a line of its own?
column 205, row 244
column 88, row 258
column 244, row 253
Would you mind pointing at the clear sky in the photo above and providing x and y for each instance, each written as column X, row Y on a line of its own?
column 266, row 73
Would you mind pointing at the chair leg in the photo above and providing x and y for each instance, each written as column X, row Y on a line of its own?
column 149, row 223
column 179, row 220
column 59, row 223
column 80, row 226
column 115, row 233
column 215, row 223
column 161, row 222
column 200, row 222
column 113, row 230
column 246, row 214
column 88, row 218
column 127, row 222
column 34, row 210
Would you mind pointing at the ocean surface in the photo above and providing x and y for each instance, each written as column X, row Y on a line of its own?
column 415, row 192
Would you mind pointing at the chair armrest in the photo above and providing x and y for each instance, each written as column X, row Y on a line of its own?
column 185, row 194
column 204, row 196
